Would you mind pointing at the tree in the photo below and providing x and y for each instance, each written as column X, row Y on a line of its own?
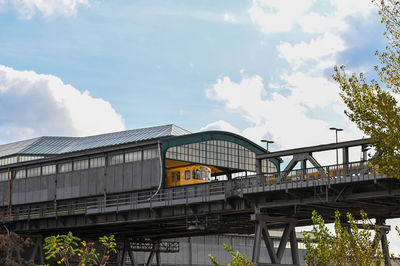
column 347, row 245
column 238, row 259
column 373, row 105
column 69, row 248
column 12, row 244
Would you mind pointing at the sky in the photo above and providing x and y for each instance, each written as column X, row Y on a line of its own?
column 259, row 68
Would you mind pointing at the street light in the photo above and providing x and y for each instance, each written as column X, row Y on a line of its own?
column 337, row 154
column 267, row 141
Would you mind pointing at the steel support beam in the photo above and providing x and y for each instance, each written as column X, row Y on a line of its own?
column 275, row 256
column 385, row 247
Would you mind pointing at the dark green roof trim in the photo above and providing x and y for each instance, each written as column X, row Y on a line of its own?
column 215, row 135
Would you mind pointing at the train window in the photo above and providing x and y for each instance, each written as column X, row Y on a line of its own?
column 196, row 174
column 208, row 175
column 35, row 171
column 65, row 167
column 49, row 169
column 81, row 164
column 20, row 174
column 203, row 175
column 116, row 159
column 173, row 177
column 178, row 176
column 97, row 162
column 187, row 175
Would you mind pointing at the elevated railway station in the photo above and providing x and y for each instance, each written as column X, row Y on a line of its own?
column 159, row 183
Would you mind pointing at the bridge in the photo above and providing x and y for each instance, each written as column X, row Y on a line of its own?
column 249, row 204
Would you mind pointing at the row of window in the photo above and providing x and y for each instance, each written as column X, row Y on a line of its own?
column 197, row 174
column 83, row 164
column 18, row 159
column 215, row 152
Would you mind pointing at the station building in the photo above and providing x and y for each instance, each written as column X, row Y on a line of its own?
column 48, row 169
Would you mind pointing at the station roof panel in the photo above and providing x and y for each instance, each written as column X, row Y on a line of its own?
column 59, row 145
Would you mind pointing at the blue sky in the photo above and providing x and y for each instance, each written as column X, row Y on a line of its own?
column 258, row 68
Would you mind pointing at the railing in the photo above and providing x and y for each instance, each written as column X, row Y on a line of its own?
column 119, row 202
column 327, row 175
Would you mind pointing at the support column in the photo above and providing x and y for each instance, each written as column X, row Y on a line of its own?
column 384, row 243
column 345, row 152
column 262, row 230
column 257, row 242
column 303, row 169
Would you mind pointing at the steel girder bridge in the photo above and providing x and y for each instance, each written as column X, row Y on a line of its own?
column 247, row 205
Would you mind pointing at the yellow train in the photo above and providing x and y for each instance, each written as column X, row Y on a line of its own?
column 186, row 175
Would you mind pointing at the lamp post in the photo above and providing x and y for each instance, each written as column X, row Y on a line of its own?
column 267, row 141
column 337, row 154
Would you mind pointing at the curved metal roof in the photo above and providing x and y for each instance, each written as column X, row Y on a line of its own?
column 59, row 145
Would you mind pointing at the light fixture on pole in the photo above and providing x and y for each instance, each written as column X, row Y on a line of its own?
column 337, row 154
column 267, row 141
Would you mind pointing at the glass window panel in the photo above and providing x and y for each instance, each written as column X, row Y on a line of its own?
column 116, row 159
column 187, row 174
column 3, row 176
column 20, row 174
column 31, row 172
column 81, row 164
column 97, row 162
column 49, row 169
column 65, row 167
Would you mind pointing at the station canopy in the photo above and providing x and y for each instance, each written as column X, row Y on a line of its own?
column 224, row 152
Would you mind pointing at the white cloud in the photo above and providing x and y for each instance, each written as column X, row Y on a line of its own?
column 229, row 18
column 323, row 47
column 220, row 125
column 277, row 15
column 48, row 8
column 285, row 119
column 33, row 104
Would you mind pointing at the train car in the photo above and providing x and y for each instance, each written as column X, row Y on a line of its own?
column 192, row 174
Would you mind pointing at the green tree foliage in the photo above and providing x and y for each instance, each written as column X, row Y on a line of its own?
column 68, row 248
column 238, row 259
column 347, row 245
column 373, row 105
column 10, row 245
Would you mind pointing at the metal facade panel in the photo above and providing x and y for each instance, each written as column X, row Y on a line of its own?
column 84, row 184
column 155, row 172
column 92, row 188
column 100, row 181
column 44, row 184
column 16, row 194
column 119, row 179
column 75, row 182
column 3, row 192
column 128, row 177
column 51, row 188
column 146, row 177
column 33, row 184
column 68, row 185
column 137, row 175
column 109, row 181
column 60, row 186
